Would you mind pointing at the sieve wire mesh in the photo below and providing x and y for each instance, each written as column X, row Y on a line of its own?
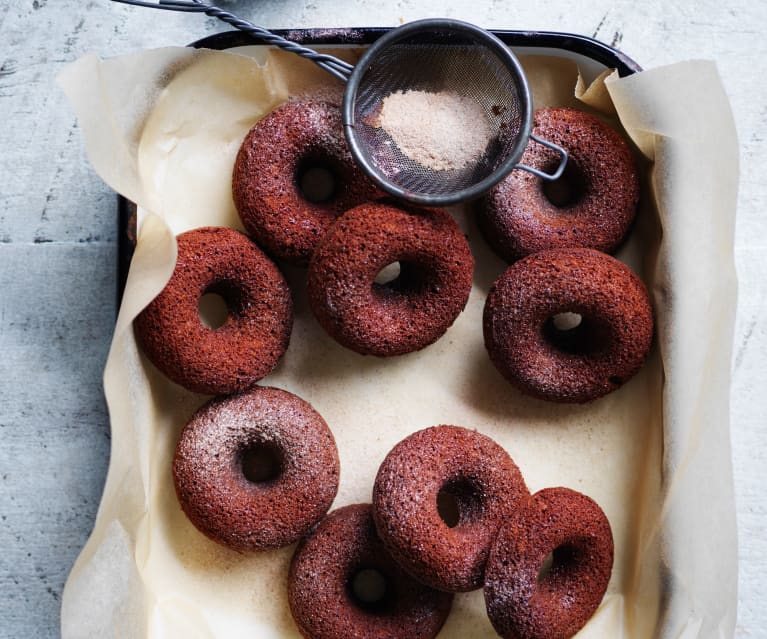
column 449, row 63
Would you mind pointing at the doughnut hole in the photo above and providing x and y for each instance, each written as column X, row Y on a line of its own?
column 568, row 189
column 262, row 462
column 316, row 178
column 213, row 311
column 388, row 273
column 566, row 321
column 574, row 333
column 559, row 567
column 402, row 278
column 447, row 507
column 370, row 589
column 458, row 502
column 219, row 301
column 545, row 569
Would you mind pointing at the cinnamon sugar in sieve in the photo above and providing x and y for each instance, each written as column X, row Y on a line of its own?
column 442, row 131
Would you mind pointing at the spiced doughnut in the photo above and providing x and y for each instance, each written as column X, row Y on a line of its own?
column 530, row 303
column 277, row 158
column 256, row 470
column 592, row 205
column 255, row 334
column 405, row 314
column 344, row 585
column 438, row 500
column 525, row 599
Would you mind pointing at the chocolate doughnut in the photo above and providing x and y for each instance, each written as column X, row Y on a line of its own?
column 343, row 584
column 255, row 334
column 429, row 470
column 526, row 600
column 256, row 470
column 592, row 205
column 527, row 343
column 278, row 152
column 403, row 315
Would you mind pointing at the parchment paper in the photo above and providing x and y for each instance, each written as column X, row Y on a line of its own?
column 162, row 127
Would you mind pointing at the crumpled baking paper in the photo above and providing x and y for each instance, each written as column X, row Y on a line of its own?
column 162, row 127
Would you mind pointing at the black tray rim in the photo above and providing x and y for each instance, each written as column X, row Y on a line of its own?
column 589, row 47
column 596, row 50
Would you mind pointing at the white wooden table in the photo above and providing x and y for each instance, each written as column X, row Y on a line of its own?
column 59, row 233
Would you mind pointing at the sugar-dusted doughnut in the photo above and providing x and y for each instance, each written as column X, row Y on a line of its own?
column 256, row 332
column 445, row 548
column 592, row 205
column 256, row 470
column 528, row 341
column 525, row 598
column 407, row 313
column 278, row 154
column 342, row 584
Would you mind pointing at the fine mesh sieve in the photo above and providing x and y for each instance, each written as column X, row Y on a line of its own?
column 439, row 57
column 454, row 69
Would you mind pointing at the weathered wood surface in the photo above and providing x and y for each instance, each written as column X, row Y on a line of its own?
column 58, row 245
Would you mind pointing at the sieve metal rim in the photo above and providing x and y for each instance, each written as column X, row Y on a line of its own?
column 479, row 34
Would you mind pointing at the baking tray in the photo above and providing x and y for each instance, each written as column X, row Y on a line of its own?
column 594, row 56
column 696, row 599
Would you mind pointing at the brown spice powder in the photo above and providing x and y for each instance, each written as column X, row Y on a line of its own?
column 441, row 131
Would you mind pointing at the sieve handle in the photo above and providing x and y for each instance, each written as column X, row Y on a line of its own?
column 541, row 174
column 336, row 67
